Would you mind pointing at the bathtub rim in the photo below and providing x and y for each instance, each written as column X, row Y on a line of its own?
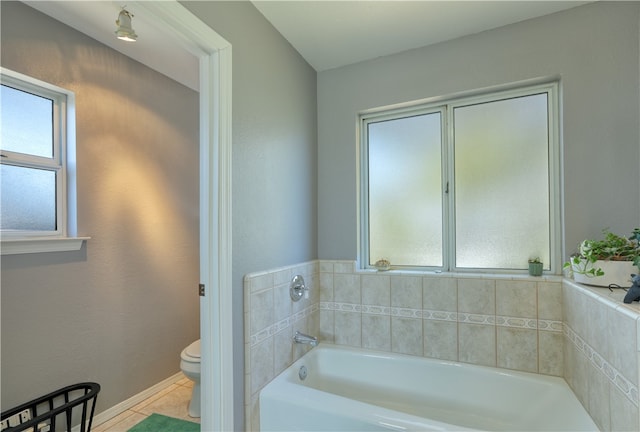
column 288, row 381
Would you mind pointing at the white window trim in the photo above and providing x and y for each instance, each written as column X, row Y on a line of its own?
column 550, row 85
column 65, row 237
column 41, row 244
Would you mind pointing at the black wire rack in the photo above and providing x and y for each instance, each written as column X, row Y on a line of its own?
column 56, row 411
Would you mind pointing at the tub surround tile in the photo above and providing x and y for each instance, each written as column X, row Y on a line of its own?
column 326, row 287
column 252, row 414
column 581, row 349
column 598, row 398
column 622, row 340
column 580, row 315
column 270, row 319
column 550, row 353
column 281, row 277
column 623, row 413
column 549, row 325
column 262, row 311
column 262, row 370
column 569, row 351
column 298, row 351
column 376, row 290
column 326, row 266
column 435, row 315
column 281, row 309
column 348, row 328
column 580, row 383
column 406, row 336
column 347, row 288
column 302, row 305
column 601, row 362
column 550, row 301
column 441, row 340
column 477, row 344
column 327, row 326
column 598, row 319
column 406, row 292
column 472, row 318
column 516, row 299
column 440, row 294
column 376, row 332
column 261, row 281
column 448, row 349
column 282, row 349
column 477, row 296
column 517, row 349
column 344, row 267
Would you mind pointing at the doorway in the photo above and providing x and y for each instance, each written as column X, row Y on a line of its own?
column 214, row 55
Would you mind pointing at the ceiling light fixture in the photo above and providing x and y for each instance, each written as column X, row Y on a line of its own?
column 125, row 32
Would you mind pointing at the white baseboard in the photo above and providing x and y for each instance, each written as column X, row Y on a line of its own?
column 116, row 410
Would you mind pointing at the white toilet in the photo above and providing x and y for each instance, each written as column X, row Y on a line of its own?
column 190, row 365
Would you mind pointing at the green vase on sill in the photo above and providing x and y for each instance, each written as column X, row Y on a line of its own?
column 535, row 268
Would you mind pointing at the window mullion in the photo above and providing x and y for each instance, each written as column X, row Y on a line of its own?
column 449, row 190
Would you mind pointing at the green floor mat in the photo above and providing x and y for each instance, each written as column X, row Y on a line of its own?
column 160, row 423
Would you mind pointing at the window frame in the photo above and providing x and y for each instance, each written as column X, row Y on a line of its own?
column 62, row 161
column 447, row 104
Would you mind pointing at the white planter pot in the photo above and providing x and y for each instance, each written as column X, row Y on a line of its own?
column 615, row 272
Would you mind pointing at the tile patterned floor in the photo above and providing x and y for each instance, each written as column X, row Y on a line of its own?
column 172, row 402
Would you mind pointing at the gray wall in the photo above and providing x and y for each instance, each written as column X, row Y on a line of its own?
column 594, row 50
column 120, row 310
column 274, row 154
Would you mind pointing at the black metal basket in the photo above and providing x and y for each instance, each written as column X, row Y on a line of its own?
column 74, row 404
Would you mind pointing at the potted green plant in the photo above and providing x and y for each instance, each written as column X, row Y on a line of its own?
column 535, row 267
column 609, row 261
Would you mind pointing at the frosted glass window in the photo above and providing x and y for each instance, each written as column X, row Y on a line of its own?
column 502, row 183
column 465, row 184
column 28, row 199
column 34, row 147
column 405, row 190
column 27, row 123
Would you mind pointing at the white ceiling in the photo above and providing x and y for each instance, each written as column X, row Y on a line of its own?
column 155, row 47
column 327, row 34
column 330, row 34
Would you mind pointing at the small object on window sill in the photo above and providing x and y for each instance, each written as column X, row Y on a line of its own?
column 382, row 265
column 535, row 267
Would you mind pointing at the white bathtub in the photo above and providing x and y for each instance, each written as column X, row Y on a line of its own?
column 350, row 389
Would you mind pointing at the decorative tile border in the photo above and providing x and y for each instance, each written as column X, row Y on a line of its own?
column 282, row 324
column 493, row 320
column 612, row 374
column 439, row 315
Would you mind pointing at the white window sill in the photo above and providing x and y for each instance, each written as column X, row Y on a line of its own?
column 41, row 244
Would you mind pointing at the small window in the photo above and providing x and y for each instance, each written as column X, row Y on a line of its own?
column 469, row 184
column 34, row 148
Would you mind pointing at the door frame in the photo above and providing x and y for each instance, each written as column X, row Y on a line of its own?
column 214, row 53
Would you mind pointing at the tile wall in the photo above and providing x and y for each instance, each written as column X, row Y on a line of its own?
column 513, row 322
column 270, row 320
column 601, row 354
column 508, row 322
